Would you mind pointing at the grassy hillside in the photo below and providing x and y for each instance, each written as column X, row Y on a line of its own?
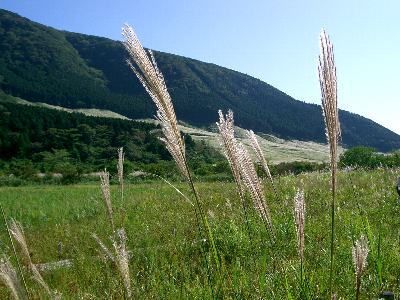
column 41, row 64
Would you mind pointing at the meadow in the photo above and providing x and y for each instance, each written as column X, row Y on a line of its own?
column 165, row 251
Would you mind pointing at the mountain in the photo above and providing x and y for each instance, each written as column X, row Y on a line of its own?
column 41, row 64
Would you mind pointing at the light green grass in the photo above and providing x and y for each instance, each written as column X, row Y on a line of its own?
column 166, row 260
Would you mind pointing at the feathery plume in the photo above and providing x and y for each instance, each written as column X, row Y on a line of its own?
column 18, row 233
column 122, row 260
column 226, row 129
column 10, row 278
column 328, row 84
column 120, row 257
column 120, row 167
column 259, row 153
column 105, row 189
column 360, row 253
column 253, row 184
column 242, row 167
column 299, row 218
column 153, row 81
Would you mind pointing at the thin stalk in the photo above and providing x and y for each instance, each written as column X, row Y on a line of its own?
column 301, row 276
column 331, row 270
column 204, row 218
column 358, row 285
column 200, row 234
column 14, row 251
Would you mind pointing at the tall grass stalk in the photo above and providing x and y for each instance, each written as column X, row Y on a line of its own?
column 145, row 68
column 299, row 218
column 328, row 85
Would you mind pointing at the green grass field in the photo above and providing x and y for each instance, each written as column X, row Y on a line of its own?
column 166, row 261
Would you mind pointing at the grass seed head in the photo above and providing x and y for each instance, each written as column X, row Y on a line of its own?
column 228, row 141
column 9, row 276
column 299, row 218
column 105, row 189
column 259, row 153
column 360, row 253
column 122, row 259
column 18, row 233
column 120, row 167
column 328, row 85
column 242, row 166
column 145, row 68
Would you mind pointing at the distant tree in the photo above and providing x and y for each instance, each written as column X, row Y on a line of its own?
column 359, row 157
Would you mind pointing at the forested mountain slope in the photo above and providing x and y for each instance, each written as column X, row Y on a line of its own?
column 41, row 64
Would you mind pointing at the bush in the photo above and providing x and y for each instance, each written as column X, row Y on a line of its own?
column 366, row 157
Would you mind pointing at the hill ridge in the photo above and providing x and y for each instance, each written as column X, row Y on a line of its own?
column 72, row 70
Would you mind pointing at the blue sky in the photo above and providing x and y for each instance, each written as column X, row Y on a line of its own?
column 276, row 41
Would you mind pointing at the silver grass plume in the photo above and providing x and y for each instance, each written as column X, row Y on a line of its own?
column 120, row 167
column 253, row 184
column 122, row 260
column 259, row 153
column 299, row 218
column 242, row 167
column 17, row 232
column 120, row 256
column 360, row 253
column 328, row 84
column 10, row 278
column 226, row 129
column 150, row 76
column 105, row 189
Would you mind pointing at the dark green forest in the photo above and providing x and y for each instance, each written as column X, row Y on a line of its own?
column 41, row 64
column 40, row 140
